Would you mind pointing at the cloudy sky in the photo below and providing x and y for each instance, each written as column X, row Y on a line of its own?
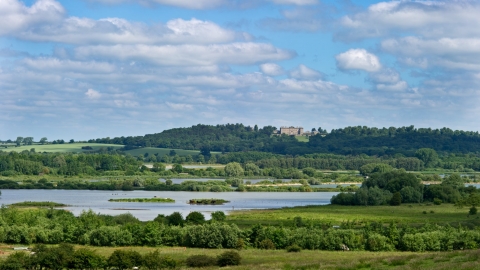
column 85, row 69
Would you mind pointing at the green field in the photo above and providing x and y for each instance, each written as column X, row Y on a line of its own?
column 312, row 259
column 77, row 147
column 160, row 151
column 66, row 147
column 302, row 138
column 414, row 214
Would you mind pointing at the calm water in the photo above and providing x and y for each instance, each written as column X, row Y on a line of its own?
column 80, row 200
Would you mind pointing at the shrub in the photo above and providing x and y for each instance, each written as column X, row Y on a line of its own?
column 266, row 244
column 473, row 210
column 437, row 201
column 229, row 258
column 396, row 199
column 201, row 261
column 294, row 248
column 240, row 244
column 195, row 218
column 219, row 216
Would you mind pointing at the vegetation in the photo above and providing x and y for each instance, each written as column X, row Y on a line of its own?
column 208, row 201
column 147, row 200
column 37, row 204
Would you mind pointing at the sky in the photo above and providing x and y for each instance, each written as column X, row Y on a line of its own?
column 83, row 69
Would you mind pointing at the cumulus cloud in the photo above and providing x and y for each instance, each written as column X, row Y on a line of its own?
column 358, row 59
column 303, row 72
column 17, row 17
column 271, row 69
column 92, row 94
column 454, row 53
column 188, row 55
column 197, row 4
column 298, row 19
column 74, row 30
column 431, row 19
column 295, row 2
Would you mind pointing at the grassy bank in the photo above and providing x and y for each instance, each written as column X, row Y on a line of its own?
column 37, row 204
column 415, row 214
column 280, row 259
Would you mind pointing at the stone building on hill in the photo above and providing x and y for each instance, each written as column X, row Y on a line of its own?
column 291, row 130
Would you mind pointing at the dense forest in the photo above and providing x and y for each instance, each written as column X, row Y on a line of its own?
column 345, row 141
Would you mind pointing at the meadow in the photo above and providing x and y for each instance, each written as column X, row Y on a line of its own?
column 412, row 214
column 309, row 260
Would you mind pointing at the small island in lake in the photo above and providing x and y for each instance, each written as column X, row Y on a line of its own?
column 147, row 200
column 208, row 201
column 37, row 204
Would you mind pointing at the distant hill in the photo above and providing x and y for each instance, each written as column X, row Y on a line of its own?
column 346, row 141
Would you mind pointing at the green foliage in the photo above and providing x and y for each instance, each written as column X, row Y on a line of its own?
column 200, row 261
column 154, row 260
column 233, row 169
column 294, row 248
column 472, row 211
column 428, row 156
column 229, row 258
column 124, row 259
column 266, row 244
column 175, row 219
column 37, row 204
column 396, row 199
column 437, row 201
column 84, row 258
column 218, row 216
column 195, row 218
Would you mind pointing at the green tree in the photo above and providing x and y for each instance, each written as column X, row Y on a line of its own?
column 84, row 258
column 218, row 216
column 195, row 218
column 396, row 199
column 233, row 169
column 428, row 156
column 124, row 259
column 177, row 168
column 175, row 219
column 43, row 140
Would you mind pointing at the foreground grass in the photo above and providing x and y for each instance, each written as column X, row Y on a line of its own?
column 414, row 214
column 307, row 259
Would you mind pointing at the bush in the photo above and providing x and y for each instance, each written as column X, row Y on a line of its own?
column 240, row 244
column 195, row 218
column 228, row 258
column 396, row 199
column 437, row 201
column 201, row 261
column 219, row 216
column 294, row 248
column 473, row 210
column 266, row 244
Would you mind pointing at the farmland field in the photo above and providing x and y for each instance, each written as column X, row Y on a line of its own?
column 66, row 147
column 414, row 214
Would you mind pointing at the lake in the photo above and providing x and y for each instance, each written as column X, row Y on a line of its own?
column 79, row 200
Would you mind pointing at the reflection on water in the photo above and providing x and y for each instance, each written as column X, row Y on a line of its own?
column 80, row 200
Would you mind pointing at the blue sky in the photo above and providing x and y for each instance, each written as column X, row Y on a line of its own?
column 85, row 69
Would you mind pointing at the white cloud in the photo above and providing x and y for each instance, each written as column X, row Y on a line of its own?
column 74, row 30
column 297, row 19
column 303, row 72
column 428, row 18
column 179, row 106
column 271, row 69
column 188, row 55
column 455, row 53
column 398, row 86
column 190, row 4
column 92, row 94
column 358, row 59
column 295, row 2
column 16, row 16
column 386, row 75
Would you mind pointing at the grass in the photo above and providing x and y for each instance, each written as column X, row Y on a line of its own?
column 153, row 200
column 302, row 138
column 359, row 215
column 308, row 259
column 61, row 148
column 37, row 204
